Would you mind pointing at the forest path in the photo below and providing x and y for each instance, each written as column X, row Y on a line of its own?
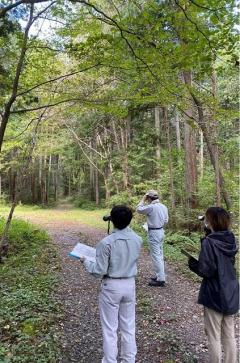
column 169, row 322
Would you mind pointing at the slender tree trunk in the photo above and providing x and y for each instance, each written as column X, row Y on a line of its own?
column 113, row 178
column 13, row 188
column 158, row 147
column 49, row 173
column 56, row 176
column 96, row 173
column 201, row 155
column 125, row 139
column 107, row 189
column 96, row 187
column 116, row 135
column 33, row 183
column 69, row 183
column 91, row 173
column 190, row 153
column 45, row 181
column 178, row 135
column 40, row 179
column 170, row 162
column 215, row 142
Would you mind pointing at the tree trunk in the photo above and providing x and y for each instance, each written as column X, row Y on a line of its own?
column 113, row 178
column 211, row 150
column 91, row 173
column 49, row 173
column 201, row 155
column 178, row 135
column 116, row 136
column 190, row 154
column 96, row 187
column 33, row 184
column 69, row 182
column 56, row 176
column 125, row 137
column 12, row 99
column 170, row 163
column 158, row 147
column 214, row 130
column 107, row 189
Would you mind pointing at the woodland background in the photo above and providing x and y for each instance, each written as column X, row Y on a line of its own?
column 102, row 101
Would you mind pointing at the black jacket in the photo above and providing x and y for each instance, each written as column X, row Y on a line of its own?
column 219, row 288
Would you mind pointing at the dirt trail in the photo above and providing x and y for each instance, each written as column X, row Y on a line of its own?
column 169, row 322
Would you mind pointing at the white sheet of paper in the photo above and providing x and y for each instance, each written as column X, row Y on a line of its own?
column 145, row 226
column 81, row 250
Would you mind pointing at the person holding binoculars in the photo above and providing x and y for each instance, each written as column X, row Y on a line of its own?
column 157, row 217
column 219, row 292
column 116, row 264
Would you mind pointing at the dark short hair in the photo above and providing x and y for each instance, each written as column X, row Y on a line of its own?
column 121, row 216
column 218, row 218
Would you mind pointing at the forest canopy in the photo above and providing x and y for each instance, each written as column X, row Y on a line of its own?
column 103, row 100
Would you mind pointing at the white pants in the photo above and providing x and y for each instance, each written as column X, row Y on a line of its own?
column 155, row 238
column 219, row 329
column 117, row 310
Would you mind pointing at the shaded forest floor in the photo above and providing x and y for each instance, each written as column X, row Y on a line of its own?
column 169, row 322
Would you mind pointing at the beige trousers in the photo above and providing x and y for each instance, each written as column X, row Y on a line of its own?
column 219, row 329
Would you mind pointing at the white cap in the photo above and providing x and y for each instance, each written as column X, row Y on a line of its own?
column 152, row 194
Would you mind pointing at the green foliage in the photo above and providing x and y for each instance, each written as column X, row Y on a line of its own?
column 27, row 309
column 86, row 204
column 123, row 198
column 132, row 61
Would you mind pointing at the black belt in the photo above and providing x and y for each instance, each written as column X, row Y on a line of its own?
column 155, row 228
column 116, row 278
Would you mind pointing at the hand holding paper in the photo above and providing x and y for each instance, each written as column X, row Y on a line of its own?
column 82, row 252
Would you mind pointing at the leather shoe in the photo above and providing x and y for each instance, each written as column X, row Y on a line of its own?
column 156, row 283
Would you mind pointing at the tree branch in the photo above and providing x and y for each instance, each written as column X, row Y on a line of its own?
column 86, row 155
column 206, row 8
column 5, row 9
column 56, row 79
column 82, row 141
column 192, row 22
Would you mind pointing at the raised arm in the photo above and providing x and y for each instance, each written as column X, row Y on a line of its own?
column 143, row 208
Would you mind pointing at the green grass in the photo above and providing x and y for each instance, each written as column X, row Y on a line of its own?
column 91, row 218
column 27, row 310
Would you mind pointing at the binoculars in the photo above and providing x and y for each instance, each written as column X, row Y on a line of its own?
column 107, row 218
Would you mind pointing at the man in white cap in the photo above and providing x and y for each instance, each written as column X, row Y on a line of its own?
column 157, row 216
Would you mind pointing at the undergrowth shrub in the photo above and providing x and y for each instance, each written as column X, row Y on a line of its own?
column 27, row 309
column 83, row 203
